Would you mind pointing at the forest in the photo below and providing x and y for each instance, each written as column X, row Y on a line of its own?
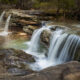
column 69, row 8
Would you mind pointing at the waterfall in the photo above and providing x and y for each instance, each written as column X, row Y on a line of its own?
column 1, row 17
column 5, row 32
column 56, row 40
column 36, row 39
column 34, row 44
column 7, row 23
column 62, row 48
column 70, row 46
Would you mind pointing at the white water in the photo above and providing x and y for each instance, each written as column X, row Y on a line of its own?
column 67, row 44
column 1, row 17
column 7, row 23
column 68, row 51
column 34, row 44
column 56, row 41
column 5, row 32
column 62, row 48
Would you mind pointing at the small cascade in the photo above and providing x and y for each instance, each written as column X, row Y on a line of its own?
column 69, row 49
column 5, row 32
column 62, row 48
column 1, row 17
column 34, row 44
column 7, row 23
column 55, row 44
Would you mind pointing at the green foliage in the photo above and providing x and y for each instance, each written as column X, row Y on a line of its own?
column 45, row 4
column 8, row 1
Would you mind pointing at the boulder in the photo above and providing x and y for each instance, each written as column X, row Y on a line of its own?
column 29, row 29
column 16, row 61
column 67, row 71
column 45, row 37
column 17, row 53
column 46, row 34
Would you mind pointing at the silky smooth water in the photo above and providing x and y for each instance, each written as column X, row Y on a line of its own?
column 34, row 43
column 62, row 48
column 1, row 17
column 70, row 46
column 5, row 31
column 55, row 43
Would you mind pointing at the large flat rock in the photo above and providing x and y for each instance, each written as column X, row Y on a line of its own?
column 68, row 71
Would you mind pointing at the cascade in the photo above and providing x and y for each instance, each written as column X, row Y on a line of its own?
column 5, row 32
column 7, row 23
column 62, row 48
column 55, row 44
column 1, row 17
column 70, row 46
column 34, row 44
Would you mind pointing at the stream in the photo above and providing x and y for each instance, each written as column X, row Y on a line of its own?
column 62, row 48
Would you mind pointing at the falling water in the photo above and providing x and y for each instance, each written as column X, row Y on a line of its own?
column 36, row 39
column 7, row 23
column 70, row 46
column 1, row 17
column 56, row 40
column 34, row 44
column 62, row 48
column 5, row 32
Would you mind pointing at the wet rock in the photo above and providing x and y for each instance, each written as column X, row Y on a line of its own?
column 16, row 71
column 29, row 29
column 53, row 28
column 20, row 19
column 2, row 41
column 46, row 34
column 19, row 72
column 73, row 76
column 17, row 53
column 45, row 37
column 68, row 71
column 27, row 22
column 19, row 13
column 15, row 61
